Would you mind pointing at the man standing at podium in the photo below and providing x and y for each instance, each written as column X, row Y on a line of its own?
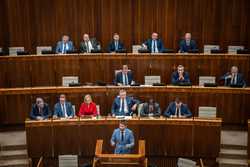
column 122, row 139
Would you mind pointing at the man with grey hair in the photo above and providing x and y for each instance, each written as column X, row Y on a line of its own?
column 187, row 44
column 65, row 45
column 40, row 110
column 234, row 78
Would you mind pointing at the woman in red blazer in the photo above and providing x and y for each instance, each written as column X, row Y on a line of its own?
column 87, row 107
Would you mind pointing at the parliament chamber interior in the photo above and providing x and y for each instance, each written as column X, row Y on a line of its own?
column 102, row 83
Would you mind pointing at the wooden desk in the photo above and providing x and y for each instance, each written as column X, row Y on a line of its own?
column 31, row 71
column 232, row 103
column 164, row 137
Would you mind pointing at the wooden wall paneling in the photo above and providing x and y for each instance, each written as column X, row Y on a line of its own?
column 66, row 66
column 17, row 108
column 43, row 71
column 202, row 134
column 66, row 138
column 38, row 144
column 18, row 73
column 176, row 144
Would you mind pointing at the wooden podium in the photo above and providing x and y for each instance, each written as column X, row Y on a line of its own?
column 105, row 160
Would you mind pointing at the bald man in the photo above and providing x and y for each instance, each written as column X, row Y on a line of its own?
column 154, row 44
column 187, row 44
column 233, row 78
column 89, row 45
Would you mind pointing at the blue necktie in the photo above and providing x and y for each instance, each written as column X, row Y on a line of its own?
column 126, row 79
column 122, row 110
column 154, row 46
column 116, row 45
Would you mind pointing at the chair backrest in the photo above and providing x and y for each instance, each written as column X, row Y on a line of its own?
column 66, row 80
column 208, row 48
column 183, row 162
column 139, row 109
column 13, row 50
column 74, row 109
column 206, row 79
column 39, row 49
column 207, row 112
column 68, row 160
column 233, row 49
column 135, row 48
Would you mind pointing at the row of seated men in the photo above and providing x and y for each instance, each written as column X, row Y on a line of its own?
column 181, row 77
column 153, row 44
column 123, row 105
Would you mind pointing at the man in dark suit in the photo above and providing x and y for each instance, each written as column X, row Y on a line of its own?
column 154, row 44
column 187, row 44
column 177, row 109
column 116, row 45
column 63, row 109
column 88, row 45
column 150, row 109
column 180, row 76
column 40, row 110
column 123, row 105
column 64, row 45
column 124, row 77
column 233, row 78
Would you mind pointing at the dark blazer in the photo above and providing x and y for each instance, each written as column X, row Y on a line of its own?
column 145, row 111
column 46, row 113
column 239, row 81
column 59, row 46
column 116, row 106
column 175, row 78
column 118, row 78
column 111, row 47
column 94, row 42
column 58, row 109
column 185, row 48
column 159, row 43
column 171, row 109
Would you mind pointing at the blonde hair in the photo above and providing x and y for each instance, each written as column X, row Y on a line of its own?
column 87, row 96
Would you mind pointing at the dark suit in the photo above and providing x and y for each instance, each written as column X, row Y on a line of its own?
column 185, row 48
column 112, row 47
column 171, row 110
column 145, row 110
column 119, row 77
column 239, row 80
column 175, row 78
column 117, row 105
column 59, row 112
column 45, row 113
column 159, row 44
column 94, row 43
column 60, row 47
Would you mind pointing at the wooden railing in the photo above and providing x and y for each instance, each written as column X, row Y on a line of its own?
column 101, row 159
